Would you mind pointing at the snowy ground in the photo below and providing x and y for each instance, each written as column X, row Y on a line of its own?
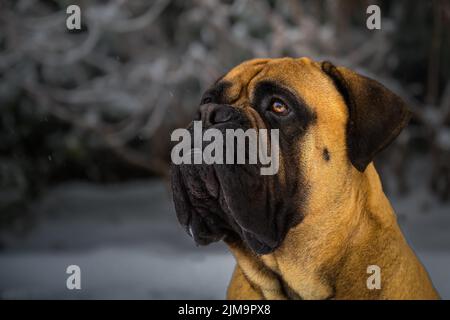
column 128, row 245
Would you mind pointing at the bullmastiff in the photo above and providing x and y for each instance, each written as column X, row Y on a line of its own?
column 314, row 229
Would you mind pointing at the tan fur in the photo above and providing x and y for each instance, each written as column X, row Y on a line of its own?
column 349, row 222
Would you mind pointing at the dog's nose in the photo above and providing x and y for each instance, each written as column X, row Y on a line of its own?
column 211, row 114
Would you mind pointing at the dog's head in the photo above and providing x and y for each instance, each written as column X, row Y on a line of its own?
column 331, row 123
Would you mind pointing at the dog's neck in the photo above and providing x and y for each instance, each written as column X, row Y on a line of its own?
column 327, row 255
column 327, row 244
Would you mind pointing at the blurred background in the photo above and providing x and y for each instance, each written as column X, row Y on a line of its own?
column 86, row 117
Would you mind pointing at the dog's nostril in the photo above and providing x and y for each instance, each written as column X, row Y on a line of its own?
column 212, row 114
column 221, row 115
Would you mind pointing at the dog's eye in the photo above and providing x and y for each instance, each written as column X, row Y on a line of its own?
column 278, row 107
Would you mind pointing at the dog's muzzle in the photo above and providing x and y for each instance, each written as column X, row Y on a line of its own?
column 224, row 201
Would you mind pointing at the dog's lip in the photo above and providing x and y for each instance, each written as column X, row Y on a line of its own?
column 206, row 235
column 203, row 237
column 192, row 214
column 253, row 242
column 256, row 244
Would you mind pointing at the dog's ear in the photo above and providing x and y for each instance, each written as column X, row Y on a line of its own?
column 376, row 115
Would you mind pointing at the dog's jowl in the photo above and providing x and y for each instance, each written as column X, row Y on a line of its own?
column 310, row 230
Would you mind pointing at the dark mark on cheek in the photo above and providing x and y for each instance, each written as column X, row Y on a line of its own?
column 326, row 154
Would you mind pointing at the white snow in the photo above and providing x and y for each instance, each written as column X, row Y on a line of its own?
column 116, row 273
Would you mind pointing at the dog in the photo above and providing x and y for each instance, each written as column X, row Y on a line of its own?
column 312, row 230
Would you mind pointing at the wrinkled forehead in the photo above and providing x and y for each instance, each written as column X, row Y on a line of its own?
column 302, row 76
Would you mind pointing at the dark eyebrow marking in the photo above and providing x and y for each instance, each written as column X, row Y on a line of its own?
column 266, row 88
column 216, row 93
